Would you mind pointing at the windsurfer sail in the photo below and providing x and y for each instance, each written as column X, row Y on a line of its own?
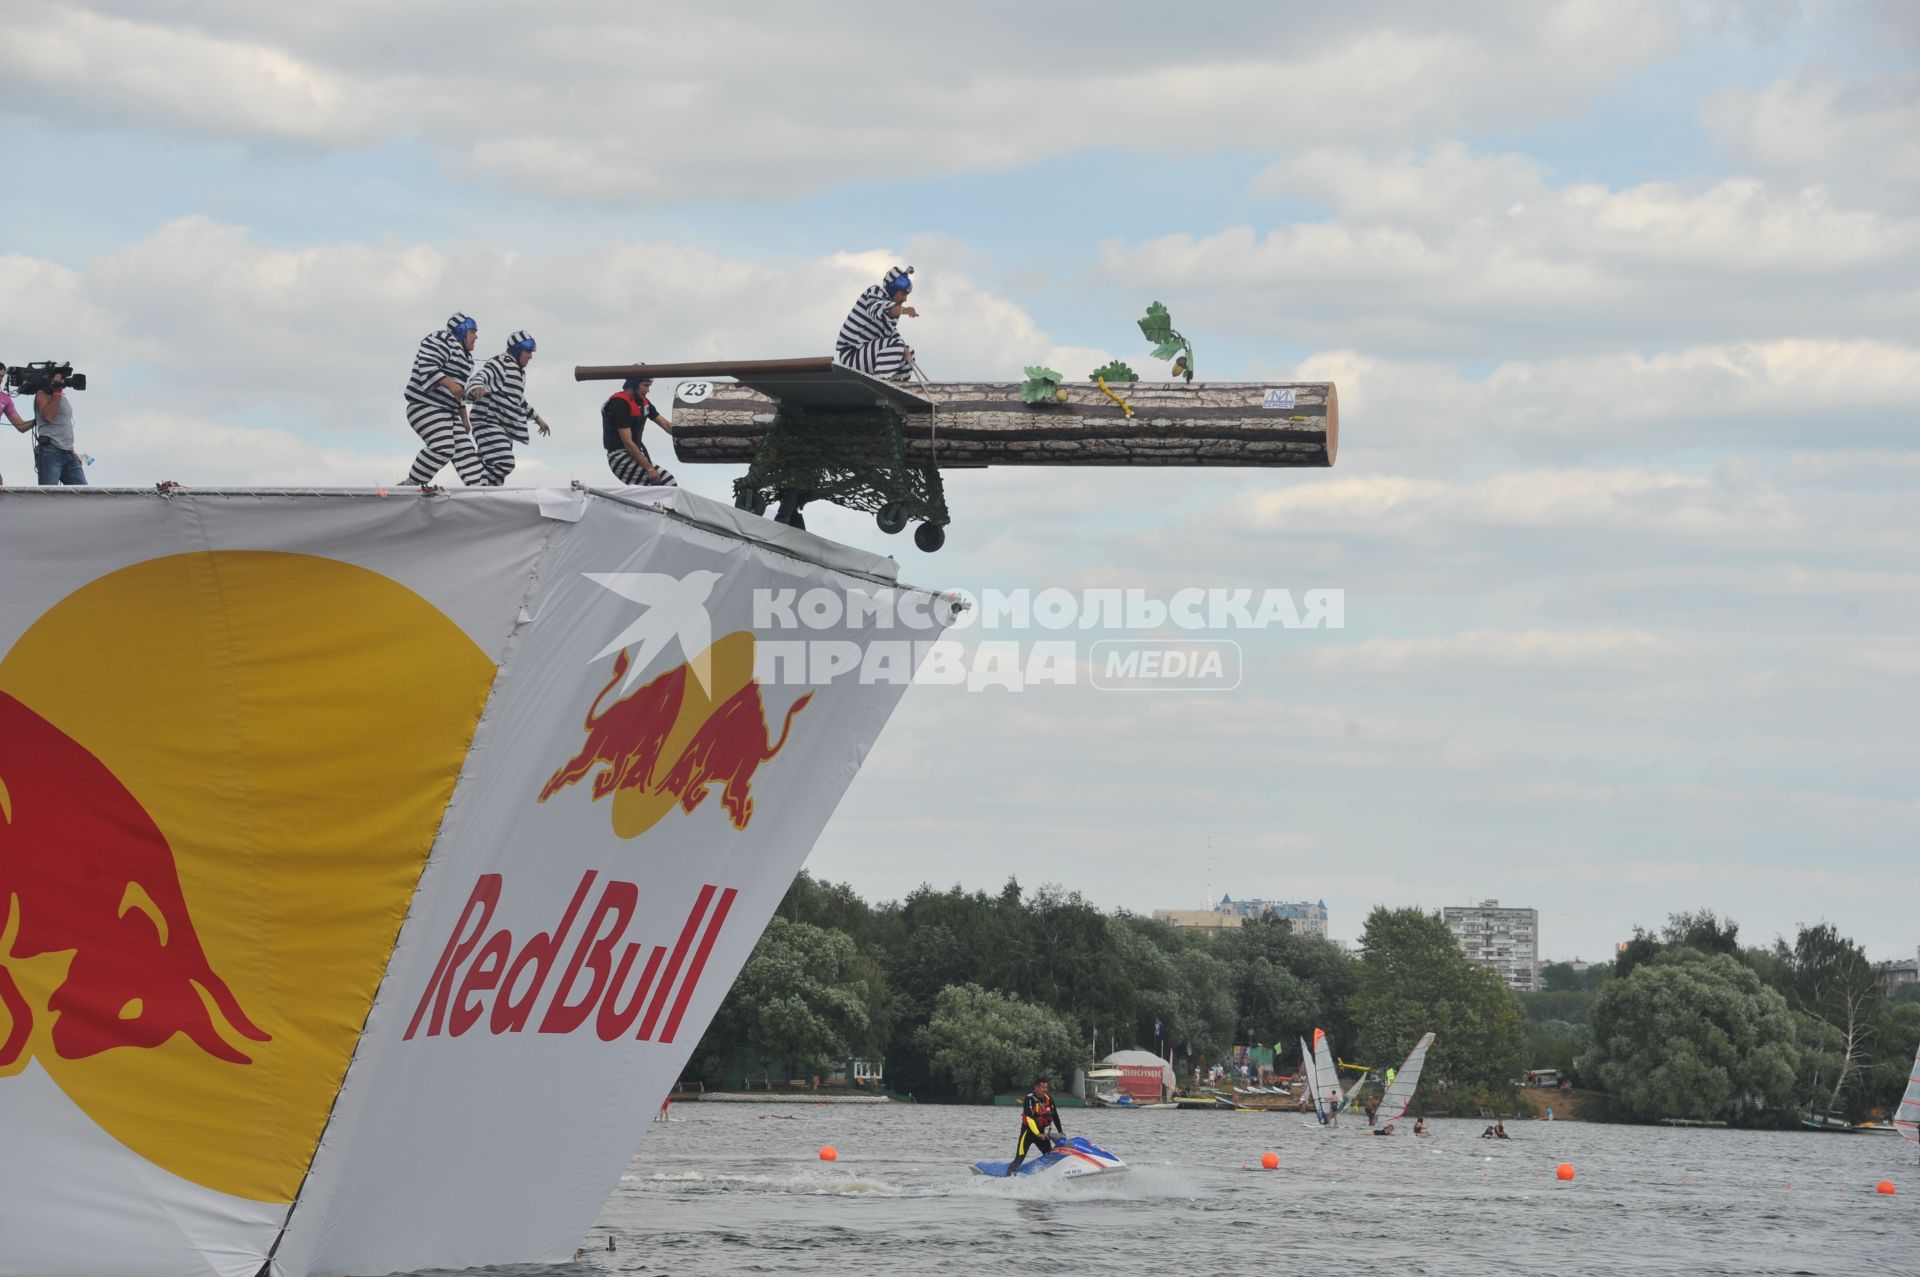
column 1906, row 1118
column 1324, row 1066
column 1399, row 1094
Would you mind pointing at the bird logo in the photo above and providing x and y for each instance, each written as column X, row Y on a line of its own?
column 675, row 611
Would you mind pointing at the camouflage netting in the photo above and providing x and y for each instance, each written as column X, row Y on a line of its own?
column 853, row 457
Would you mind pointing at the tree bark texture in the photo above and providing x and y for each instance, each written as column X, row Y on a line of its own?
column 986, row 424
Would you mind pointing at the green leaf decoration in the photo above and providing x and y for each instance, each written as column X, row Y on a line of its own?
column 1040, row 385
column 1115, row 371
column 1157, row 327
column 1169, row 348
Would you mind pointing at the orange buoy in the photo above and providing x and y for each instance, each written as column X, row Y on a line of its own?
column 1884, row 1186
column 1565, row 1170
column 828, row 1153
column 1270, row 1160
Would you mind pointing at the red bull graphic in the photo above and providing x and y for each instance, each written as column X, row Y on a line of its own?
column 716, row 736
column 84, row 871
column 207, row 840
column 598, row 982
column 295, row 973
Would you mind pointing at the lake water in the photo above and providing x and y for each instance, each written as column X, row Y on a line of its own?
column 738, row 1188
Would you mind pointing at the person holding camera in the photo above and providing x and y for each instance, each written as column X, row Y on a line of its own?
column 54, row 460
column 436, row 404
column 500, row 408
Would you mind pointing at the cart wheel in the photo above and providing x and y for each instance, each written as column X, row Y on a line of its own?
column 929, row 537
column 892, row 518
column 789, row 511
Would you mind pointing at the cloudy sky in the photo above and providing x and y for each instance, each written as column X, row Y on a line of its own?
column 1622, row 299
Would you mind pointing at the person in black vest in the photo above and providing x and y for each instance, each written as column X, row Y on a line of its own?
column 1037, row 1113
column 622, row 418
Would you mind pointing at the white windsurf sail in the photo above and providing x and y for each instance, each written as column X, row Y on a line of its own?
column 1906, row 1118
column 1327, row 1080
column 1399, row 1096
column 1310, row 1076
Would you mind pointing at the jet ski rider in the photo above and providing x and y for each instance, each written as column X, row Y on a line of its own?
column 1036, row 1114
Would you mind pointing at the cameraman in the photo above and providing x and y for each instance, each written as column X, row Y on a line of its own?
column 53, row 454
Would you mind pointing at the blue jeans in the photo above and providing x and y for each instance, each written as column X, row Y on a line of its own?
column 57, row 465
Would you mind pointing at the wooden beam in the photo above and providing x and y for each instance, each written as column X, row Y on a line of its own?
column 697, row 368
column 986, row 423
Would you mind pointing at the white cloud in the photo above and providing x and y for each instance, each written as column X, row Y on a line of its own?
column 1855, row 134
column 133, row 71
column 1451, row 252
column 1786, row 392
column 1615, row 650
column 774, row 100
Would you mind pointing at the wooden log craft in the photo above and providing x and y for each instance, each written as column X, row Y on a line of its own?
column 981, row 423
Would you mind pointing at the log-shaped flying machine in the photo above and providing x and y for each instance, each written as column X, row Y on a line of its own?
column 813, row 429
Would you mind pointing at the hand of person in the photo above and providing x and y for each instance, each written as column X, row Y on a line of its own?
column 908, row 310
column 544, row 428
column 655, row 475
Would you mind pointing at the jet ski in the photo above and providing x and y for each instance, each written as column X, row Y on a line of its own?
column 1071, row 1158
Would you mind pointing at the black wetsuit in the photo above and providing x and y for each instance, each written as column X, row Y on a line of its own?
column 1036, row 1114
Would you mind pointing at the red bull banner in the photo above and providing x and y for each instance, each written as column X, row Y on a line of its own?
column 369, row 866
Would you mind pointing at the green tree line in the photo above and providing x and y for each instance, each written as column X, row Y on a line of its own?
column 1687, row 1022
column 965, row 994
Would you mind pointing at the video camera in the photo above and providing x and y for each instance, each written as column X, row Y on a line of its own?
column 31, row 379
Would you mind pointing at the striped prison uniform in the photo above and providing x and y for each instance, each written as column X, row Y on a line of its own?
column 630, row 412
column 870, row 339
column 434, row 413
column 500, row 416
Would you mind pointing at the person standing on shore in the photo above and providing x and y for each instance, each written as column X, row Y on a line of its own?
column 436, row 404
column 500, row 408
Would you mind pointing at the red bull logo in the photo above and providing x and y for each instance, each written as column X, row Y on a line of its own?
column 205, row 839
column 482, row 979
column 84, row 872
column 717, row 736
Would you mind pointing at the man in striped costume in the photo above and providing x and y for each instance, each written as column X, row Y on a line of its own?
column 436, row 408
column 622, row 418
column 870, row 339
column 500, row 408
